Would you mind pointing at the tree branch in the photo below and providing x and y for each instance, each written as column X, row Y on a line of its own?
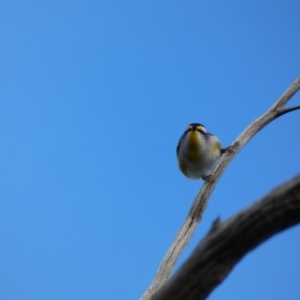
column 227, row 243
column 195, row 214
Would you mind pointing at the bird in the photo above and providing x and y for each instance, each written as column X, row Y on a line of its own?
column 198, row 152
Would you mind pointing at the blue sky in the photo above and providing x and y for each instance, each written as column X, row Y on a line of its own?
column 94, row 97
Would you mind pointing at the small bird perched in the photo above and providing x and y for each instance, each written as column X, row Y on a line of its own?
column 198, row 152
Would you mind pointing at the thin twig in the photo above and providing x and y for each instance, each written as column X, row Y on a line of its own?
column 195, row 214
column 287, row 110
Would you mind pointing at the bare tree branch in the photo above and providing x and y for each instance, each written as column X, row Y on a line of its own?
column 195, row 214
column 227, row 243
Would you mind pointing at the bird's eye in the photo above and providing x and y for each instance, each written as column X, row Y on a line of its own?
column 202, row 129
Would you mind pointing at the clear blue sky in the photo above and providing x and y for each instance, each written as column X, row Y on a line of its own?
column 94, row 97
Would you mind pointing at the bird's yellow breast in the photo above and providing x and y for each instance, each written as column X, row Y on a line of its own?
column 193, row 147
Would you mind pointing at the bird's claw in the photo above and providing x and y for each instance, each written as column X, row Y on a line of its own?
column 209, row 178
column 227, row 150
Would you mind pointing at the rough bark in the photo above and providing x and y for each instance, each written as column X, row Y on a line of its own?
column 228, row 242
